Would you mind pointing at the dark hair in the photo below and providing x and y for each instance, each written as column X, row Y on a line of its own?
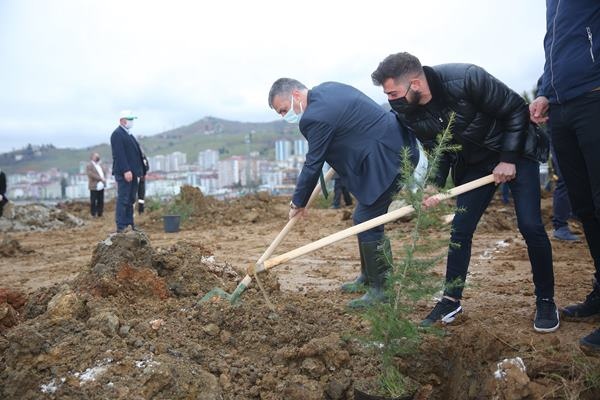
column 396, row 66
column 283, row 86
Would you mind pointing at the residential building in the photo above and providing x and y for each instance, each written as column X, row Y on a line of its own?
column 283, row 150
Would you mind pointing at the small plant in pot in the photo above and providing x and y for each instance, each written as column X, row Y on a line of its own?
column 175, row 211
column 393, row 332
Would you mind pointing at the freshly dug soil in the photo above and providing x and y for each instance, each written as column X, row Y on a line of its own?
column 99, row 315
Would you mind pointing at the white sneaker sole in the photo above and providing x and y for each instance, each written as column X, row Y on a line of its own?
column 548, row 330
column 450, row 317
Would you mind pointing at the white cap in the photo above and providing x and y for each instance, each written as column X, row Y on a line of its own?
column 127, row 114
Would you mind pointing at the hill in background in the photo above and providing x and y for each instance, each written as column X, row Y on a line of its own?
column 229, row 137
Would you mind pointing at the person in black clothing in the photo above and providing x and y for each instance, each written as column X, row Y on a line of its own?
column 569, row 100
column 561, row 206
column 492, row 127
column 339, row 189
column 3, row 199
column 141, row 193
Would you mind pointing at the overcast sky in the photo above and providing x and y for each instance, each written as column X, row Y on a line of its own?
column 69, row 66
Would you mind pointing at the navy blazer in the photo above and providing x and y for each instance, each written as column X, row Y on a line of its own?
column 356, row 136
column 126, row 153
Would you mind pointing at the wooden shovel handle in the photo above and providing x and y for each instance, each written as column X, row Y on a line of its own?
column 365, row 226
column 292, row 222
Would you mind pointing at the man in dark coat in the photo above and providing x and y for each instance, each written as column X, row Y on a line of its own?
column 362, row 143
column 492, row 127
column 127, row 169
column 3, row 199
column 569, row 100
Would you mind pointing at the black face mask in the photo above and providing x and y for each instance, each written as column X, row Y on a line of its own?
column 402, row 106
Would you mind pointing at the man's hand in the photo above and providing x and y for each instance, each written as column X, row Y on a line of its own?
column 538, row 110
column 504, row 172
column 1, row 197
column 296, row 210
column 429, row 200
column 128, row 176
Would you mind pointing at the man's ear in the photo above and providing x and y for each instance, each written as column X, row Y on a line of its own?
column 416, row 84
column 296, row 94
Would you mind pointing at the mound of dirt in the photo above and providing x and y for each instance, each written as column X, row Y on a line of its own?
column 252, row 208
column 11, row 303
column 81, row 209
column 10, row 247
column 37, row 217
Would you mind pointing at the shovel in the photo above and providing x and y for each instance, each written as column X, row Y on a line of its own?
column 385, row 218
column 233, row 297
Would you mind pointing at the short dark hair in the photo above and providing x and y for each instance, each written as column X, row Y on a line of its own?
column 283, row 86
column 396, row 66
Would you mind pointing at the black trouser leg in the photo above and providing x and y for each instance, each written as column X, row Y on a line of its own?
column 100, row 208
column 575, row 128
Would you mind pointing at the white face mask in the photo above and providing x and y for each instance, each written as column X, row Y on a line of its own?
column 128, row 123
column 291, row 115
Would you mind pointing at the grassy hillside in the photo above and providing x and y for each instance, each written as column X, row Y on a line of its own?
column 229, row 137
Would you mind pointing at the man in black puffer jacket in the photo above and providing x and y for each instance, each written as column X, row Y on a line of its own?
column 492, row 127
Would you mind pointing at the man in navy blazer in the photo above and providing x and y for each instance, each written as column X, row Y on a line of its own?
column 363, row 144
column 127, row 169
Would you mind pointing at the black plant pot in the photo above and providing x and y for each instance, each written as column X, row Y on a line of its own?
column 360, row 395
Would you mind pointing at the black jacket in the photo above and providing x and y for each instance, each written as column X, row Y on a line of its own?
column 2, row 183
column 3, row 188
column 491, row 120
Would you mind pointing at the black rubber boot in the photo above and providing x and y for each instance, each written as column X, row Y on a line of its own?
column 589, row 308
column 378, row 257
column 357, row 285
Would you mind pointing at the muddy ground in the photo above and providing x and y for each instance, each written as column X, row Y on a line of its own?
column 88, row 314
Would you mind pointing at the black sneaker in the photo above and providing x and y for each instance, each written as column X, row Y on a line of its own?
column 589, row 308
column 445, row 311
column 591, row 341
column 546, row 316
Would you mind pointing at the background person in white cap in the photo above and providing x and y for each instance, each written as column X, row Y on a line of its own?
column 127, row 169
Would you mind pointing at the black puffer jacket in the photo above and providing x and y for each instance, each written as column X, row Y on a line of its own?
column 490, row 118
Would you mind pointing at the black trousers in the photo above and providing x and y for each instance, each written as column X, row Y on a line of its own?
column 575, row 128
column 525, row 189
column 96, row 202
column 339, row 189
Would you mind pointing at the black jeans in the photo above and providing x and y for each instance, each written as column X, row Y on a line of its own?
column 561, row 206
column 525, row 189
column 340, row 189
column 575, row 128
column 96, row 202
